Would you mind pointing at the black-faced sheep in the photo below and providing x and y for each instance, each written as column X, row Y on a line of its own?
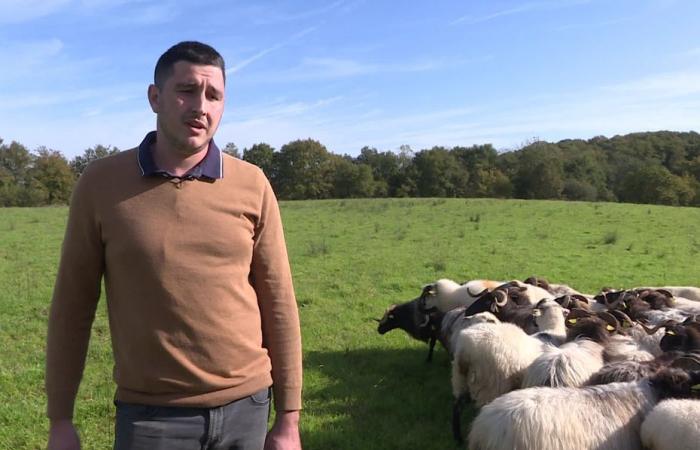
column 411, row 318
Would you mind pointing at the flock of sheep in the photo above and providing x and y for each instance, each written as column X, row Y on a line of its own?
column 554, row 369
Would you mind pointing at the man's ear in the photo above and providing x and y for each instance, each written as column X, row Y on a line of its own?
column 153, row 97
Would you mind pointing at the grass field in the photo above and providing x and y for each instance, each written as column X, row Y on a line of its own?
column 351, row 259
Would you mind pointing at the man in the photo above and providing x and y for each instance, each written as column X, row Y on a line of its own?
column 199, row 292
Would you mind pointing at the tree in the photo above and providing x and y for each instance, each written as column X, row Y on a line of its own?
column 262, row 155
column 53, row 176
column 80, row 162
column 351, row 179
column 231, row 149
column 656, row 185
column 303, row 171
column 15, row 182
column 540, row 173
column 439, row 174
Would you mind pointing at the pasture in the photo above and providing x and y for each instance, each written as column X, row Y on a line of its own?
column 351, row 259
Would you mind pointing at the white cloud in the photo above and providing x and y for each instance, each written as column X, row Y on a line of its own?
column 275, row 16
column 671, row 84
column 523, row 8
column 271, row 49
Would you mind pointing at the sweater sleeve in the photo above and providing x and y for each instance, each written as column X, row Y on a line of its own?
column 272, row 280
column 75, row 297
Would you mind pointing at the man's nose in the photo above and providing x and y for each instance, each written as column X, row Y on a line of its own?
column 199, row 104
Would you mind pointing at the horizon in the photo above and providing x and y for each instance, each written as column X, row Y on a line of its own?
column 353, row 73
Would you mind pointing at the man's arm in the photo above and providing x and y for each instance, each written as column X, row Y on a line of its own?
column 73, row 305
column 284, row 434
column 63, row 436
column 280, row 321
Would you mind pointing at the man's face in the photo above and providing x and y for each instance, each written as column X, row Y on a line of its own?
column 189, row 107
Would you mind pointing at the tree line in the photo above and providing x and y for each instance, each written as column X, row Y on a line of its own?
column 652, row 167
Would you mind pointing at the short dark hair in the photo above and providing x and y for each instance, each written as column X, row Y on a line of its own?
column 190, row 51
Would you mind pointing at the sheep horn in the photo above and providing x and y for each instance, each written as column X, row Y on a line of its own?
column 624, row 317
column 563, row 301
column 665, row 292
column 426, row 321
column 653, row 330
column 580, row 298
column 501, row 298
column 610, row 320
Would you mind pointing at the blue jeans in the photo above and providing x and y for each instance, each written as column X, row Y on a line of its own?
column 239, row 425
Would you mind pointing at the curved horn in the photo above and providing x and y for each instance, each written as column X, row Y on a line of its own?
column 657, row 327
column 665, row 292
column 563, row 301
column 613, row 323
column 500, row 297
column 580, row 298
column 622, row 317
column 425, row 322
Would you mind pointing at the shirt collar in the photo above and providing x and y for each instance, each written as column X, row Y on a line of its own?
column 211, row 167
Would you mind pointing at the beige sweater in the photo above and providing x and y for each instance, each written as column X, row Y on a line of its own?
column 199, row 291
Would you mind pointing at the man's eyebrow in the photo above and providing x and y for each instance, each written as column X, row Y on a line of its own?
column 186, row 84
column 194, row 84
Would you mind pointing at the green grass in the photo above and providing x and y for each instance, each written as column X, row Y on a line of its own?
column 351, row 259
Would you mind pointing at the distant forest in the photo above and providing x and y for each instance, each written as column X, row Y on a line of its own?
column 654, row 167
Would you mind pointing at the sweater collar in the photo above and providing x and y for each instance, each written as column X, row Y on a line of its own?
column 211, row 167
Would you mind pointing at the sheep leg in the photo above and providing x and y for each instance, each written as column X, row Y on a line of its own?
column 457, row 407
column 431, row 347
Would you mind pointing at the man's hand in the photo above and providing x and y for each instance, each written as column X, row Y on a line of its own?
column 63, row 436
column 284, row 434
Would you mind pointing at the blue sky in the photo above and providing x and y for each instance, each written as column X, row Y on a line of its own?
column 351, row 73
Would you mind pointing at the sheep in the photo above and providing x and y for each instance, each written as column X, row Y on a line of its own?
column 549, row 317
column 633, row 342
column 576, row 361
column 533, row 293
column 634, row 370
column 455, row 321
column 411, row 318
column 605, row 417
column 687, row 292
column 490, row 359
column 672, row 425
column 444, row 295
column 647, row 305
column 509, row 304
column 557, row 290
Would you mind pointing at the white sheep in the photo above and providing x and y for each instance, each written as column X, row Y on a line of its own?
column 454, row 321
column 672, row 425
column 576, row 361
column 606, row 417
column 445, row 295
column 688, row 292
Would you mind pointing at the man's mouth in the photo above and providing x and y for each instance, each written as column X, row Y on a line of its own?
column 196, row 125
